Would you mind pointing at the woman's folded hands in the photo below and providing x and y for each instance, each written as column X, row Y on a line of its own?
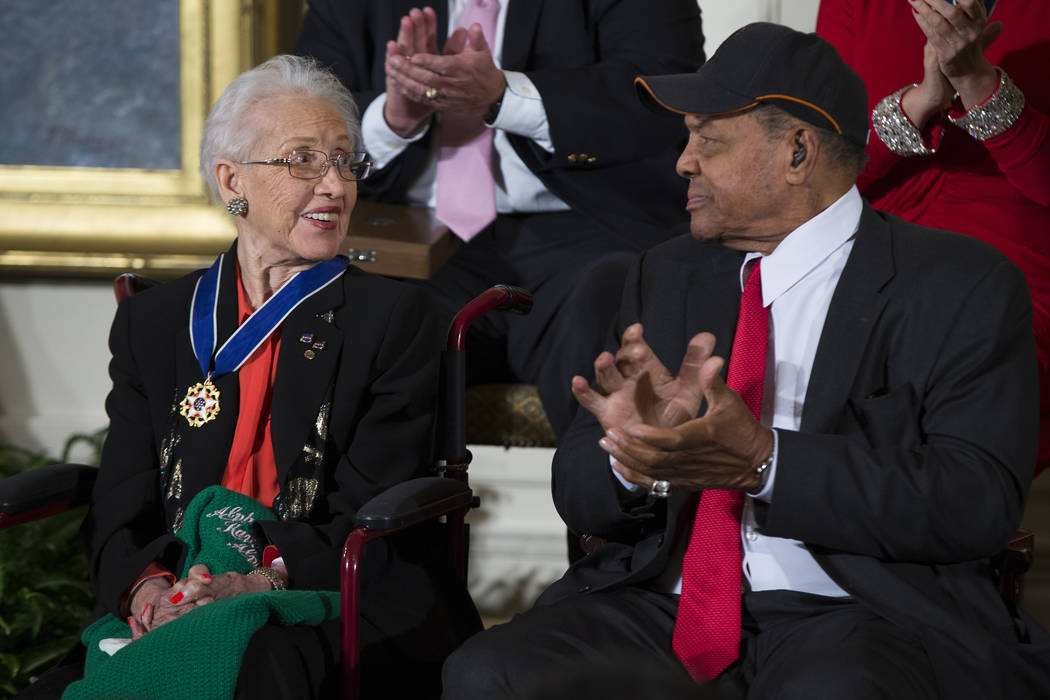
column 156, row 603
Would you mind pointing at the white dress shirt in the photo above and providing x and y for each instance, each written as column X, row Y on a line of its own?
column 798, row 280
column 522, row 113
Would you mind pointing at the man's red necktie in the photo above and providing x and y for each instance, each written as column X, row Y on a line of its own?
column 707, row 630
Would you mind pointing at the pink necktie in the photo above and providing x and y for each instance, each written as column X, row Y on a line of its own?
column 466, row 187
column 707, row 629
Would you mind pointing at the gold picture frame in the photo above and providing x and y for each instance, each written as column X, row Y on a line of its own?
column 90, row 221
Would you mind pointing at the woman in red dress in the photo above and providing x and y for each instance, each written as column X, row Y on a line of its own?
column 961, row 133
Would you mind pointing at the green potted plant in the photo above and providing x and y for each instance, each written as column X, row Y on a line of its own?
column 45, row 595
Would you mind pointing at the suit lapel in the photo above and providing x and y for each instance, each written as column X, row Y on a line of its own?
column 855, row 307
column 518, row 33
column 712, row 304
column 308, row 358
column 441, row 10
column 713, row 301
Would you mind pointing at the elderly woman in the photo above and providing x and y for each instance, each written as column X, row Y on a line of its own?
column 291, row 378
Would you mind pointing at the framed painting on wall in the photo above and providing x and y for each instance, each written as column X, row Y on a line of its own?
column 105, row 101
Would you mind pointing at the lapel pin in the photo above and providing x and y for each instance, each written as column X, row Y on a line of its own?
column 319, row 345
column 306, row 338
column 309, row 354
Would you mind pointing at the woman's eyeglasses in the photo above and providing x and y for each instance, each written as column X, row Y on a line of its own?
column 308, row 164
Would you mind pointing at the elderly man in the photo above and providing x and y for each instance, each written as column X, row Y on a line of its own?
column 517, row 121
column 818, row 522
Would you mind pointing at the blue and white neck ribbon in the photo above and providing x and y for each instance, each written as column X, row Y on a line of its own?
column 266, row 319
column 202, row 400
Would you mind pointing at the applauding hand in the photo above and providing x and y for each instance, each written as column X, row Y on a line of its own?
column 634, row 386
column 956, row 37
column 406, row 108
column 721, row 449
column 649, row 418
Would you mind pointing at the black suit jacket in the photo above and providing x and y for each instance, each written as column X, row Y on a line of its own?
column 582, row 56
column 350, row 422
column 915, row 451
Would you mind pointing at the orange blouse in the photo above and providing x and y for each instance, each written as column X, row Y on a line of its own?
column 251, row 468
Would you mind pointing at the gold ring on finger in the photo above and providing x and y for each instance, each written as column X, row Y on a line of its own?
column 431, row 93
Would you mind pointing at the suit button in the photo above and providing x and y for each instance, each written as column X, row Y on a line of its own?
column 583, row 156
column 660, row 542
column 583, row 589
column 572, row 157
column 591, row 159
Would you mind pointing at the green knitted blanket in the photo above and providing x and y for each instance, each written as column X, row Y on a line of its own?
column 198, row 655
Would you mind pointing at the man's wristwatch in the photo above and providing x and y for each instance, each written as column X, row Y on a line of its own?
column 490, row 116
column 762, row 472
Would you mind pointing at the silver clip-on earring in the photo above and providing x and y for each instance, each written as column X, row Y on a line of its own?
column 238, row 206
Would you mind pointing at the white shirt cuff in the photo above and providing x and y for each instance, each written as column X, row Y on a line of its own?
column 522, row 112
column 630, row 486
column 380, row 140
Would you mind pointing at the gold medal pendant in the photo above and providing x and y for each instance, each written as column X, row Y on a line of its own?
column 201, row 403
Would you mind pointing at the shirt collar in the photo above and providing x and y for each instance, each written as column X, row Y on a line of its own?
column 807, row 246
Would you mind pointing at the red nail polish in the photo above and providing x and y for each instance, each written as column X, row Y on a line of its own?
column 142, row 615
column 129, row 620
column 176, row 598
column 206, row 577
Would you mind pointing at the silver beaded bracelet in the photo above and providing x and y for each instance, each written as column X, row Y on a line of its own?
column 894, row 129
column 996, row 114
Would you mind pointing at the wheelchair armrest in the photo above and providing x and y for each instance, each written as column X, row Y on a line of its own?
column 399, row 507
column 412, row 502
column 45, row 491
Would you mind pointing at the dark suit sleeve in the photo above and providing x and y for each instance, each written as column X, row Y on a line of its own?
column 125, row 528
column 934, row 469
column 389, row 439
column 587, row 495
column 593, row 107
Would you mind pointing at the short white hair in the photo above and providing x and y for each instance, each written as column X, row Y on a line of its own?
column 230, row 133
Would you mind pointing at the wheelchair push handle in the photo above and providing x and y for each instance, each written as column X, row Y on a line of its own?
column 501, row 297
column 452, row 437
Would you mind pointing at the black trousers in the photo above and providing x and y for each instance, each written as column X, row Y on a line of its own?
column 575, row 270
column 304, row 663
column 617, row 644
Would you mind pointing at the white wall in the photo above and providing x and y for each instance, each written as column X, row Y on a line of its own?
column 53, row 357
column 723, row 17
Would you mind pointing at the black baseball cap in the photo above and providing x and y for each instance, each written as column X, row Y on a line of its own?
column 761, row 63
